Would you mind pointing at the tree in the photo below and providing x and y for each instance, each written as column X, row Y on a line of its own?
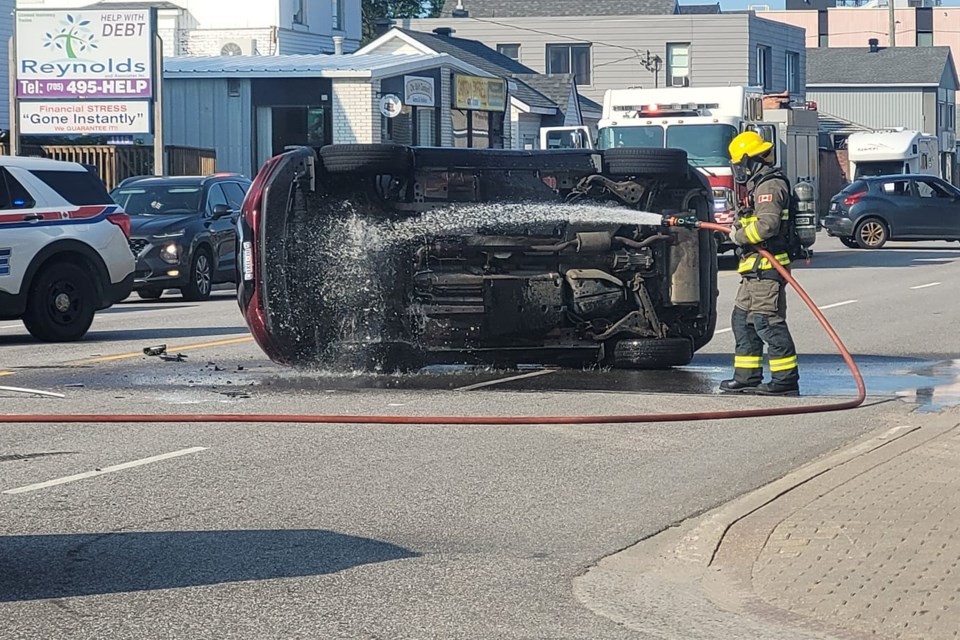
column 396, row 9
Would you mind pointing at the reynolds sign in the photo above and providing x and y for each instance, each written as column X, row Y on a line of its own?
column 85, row 54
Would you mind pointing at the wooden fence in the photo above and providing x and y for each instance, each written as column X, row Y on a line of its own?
column 116, row 163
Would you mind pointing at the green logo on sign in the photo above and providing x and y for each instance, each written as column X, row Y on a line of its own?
column 74, row 37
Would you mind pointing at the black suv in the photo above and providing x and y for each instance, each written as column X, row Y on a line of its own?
column 183, row 232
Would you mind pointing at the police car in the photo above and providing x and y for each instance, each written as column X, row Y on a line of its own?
column 64, row 250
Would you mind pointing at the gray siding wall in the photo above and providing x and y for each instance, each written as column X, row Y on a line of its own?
column 722, row 46
column 767, row 33
column 200, row 113
column 875, row 108
column 303, row 42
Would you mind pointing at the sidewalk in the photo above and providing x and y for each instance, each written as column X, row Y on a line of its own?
column 880, row 553
column 862, row 544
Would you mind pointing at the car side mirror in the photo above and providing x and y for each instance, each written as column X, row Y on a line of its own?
column 221, row 211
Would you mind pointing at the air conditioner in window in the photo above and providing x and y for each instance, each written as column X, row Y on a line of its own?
column 679, row 81
column 238, row 47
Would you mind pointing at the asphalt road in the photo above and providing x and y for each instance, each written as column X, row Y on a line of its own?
column 340, row 531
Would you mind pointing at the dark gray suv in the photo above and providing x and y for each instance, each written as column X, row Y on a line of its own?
column 183, row 232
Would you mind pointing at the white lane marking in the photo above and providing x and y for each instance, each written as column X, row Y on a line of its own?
column 924, row 286
column 104, row 470
column 36, row 392
column 727, row 330
column 490, row 383
column 11, row 326
column 838, row 304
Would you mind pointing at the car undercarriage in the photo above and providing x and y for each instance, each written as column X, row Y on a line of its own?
column 384, row 257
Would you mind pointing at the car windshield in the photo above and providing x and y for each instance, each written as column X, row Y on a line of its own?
column 159, row 200
column 878, row 168
column 615, row 137
column 705, row 144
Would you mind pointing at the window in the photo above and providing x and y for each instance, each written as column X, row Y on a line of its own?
column 678, row 64
column 824, row 41
column 932, row 189
column 899, row 188
column 299, row 12
column 512, row 51
column 924, row 39
column 647, row 136
column 705, row 144
column 764, row 78
column 76, row 187
column 215, row 196
column 234, row 193
column 13, row 195
column 336, row 14
column 793, row 72
column 570, row 58
column 170, row 199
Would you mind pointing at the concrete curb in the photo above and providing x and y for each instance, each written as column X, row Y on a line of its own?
column 694, row 579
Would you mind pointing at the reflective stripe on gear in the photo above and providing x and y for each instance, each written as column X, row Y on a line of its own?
column 752, row 234
column 749, row 263
column 748, row 362
column 783, row 364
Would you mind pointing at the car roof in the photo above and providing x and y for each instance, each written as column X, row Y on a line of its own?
column 39, row 164
column 898, row 176
column 182, row 180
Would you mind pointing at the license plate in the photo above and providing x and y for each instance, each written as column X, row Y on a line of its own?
column 834, row 206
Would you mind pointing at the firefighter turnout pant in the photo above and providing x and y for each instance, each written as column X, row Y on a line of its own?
column 760, row 317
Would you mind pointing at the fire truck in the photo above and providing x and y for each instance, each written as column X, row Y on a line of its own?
column 702, row 121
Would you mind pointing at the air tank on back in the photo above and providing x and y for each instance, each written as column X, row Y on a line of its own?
column 805, row 220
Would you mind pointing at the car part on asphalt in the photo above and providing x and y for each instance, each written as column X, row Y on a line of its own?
column 506, row 420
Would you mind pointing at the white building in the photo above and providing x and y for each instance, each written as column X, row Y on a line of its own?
column 238, row 27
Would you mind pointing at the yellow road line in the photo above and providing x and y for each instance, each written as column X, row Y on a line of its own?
column 189, row 347
column 7, row 373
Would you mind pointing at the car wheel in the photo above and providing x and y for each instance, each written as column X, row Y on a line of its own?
column 61, row 303
column 871, row 234
column 644, row 161
column 649, row 353
column 367, row 159
column 150, row 294
column 849, row 242
column 201, row 277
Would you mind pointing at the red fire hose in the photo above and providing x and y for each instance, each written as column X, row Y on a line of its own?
column 499, row 420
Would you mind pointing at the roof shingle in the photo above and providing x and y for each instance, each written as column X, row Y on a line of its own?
column 556, row 8
column 699, row 9
column 858, row 66
column 470, row 51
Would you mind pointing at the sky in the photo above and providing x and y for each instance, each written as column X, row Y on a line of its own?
column 736, row 5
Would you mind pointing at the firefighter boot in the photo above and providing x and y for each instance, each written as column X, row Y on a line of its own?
column 748, row 361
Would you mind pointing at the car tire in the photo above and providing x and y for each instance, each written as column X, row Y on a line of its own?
column 649, row 353
column 150, row 294
column 645, row 162
column 61, row 303
column 367, row 159
column 849, row 242
column 200, row 283
column 871, row 233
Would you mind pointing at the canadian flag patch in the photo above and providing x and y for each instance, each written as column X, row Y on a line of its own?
column 767, row 197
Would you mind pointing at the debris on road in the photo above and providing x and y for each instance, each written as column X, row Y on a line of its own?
column 178, row 357
column 155, row 351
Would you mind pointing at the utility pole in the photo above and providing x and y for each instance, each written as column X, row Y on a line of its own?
column 891, row 6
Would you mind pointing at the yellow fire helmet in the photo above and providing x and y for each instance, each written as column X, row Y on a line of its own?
column 748, row 144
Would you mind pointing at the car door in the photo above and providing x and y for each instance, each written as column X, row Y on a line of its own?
column 235, row 193
column 221, row 231
column 901, row 208
column 940, row 204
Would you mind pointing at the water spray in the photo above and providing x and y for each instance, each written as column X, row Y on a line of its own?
column 666, row 221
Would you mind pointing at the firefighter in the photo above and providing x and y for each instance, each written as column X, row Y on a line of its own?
column 760, row 311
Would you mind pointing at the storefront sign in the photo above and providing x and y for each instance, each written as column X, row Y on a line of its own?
column 480, row 94
column 84, row 54
column 87, row 117
column 390, row 105
column 418, row 92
